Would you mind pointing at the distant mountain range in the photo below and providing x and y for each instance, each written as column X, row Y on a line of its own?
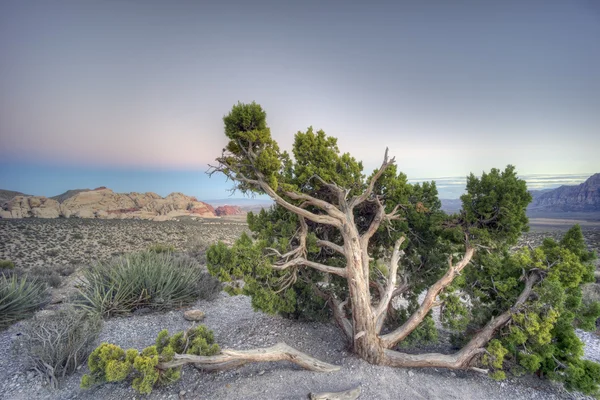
column 566, row 200
column 582, row 198
column 103, row 203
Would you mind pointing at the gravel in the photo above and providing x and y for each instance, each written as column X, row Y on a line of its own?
column 236, row 325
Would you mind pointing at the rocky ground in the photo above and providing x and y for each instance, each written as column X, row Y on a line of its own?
column 48, row 243
column 235, row 324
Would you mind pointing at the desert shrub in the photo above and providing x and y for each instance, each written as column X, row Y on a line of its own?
column 196, row 247
column 52, row 252
column 591, row 296
column 208, row 286
column 162, row 248
column 56, row 344
column 19, row 298
column 47, row 275
column 65, row 270
column 7, row 264
column 159, row 281
column 110, row 363
column 77, row 236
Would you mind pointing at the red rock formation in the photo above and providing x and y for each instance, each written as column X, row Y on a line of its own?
column 228, row 210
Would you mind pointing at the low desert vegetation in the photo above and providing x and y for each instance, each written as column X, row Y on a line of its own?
column 55, row 344
column 20, row 297
column 162, row 248
column 150, row 367
column 341, row 241
column 158, row 281
column 7, row 264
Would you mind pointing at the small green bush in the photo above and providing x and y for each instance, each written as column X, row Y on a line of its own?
column 159, row 281
column 56, row 344
column 110, row 363
column 162, row 248
column 19, row 298
column 7, row 264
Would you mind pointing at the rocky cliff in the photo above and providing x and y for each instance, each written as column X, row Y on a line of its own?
column 6, row 195
column 228, row 210
column 581, row 198
column 104, row 203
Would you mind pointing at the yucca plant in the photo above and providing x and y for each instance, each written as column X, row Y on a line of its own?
column 19, row 298
column 159, row 281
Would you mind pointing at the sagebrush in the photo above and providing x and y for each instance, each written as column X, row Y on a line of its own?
column 57, row 343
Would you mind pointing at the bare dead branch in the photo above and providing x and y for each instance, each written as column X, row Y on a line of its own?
column 278, row 352
column 382, row 308
column 301, row 261
column 462, row 358
column 377, row 220
column 389, row 340
column 337, row 248
column 367, row 193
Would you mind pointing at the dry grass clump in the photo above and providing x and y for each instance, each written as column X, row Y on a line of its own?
column 56, row 344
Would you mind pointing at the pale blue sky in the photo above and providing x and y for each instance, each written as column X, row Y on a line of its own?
column 126, row 92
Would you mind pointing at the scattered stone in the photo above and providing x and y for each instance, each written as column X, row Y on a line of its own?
column 410, row 373
column 193, row 315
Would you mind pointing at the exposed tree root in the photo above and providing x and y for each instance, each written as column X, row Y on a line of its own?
column 235, row 358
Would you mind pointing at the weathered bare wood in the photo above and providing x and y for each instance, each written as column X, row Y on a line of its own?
column 227, row 358
column 381, row 311
column 330, row 245
column 462, row 358
column 351, row 394
column 365, row 195
column 318, row 218
column 300, row 261
column 417, row 317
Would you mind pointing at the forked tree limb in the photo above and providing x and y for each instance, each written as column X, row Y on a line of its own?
column 234, row 172
column 462, row 358
column 375, row 224
column 389, row 340
column 227, row 358
column 369, row 190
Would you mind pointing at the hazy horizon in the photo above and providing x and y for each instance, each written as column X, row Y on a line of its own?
column 133, row 92
column 205, row 188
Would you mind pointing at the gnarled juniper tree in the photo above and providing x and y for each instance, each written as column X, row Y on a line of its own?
column 355, row 243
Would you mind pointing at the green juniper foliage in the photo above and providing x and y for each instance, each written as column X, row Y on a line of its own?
column 539, row 335
column 110, row 363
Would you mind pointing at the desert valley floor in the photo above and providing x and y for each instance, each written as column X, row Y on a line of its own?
column 66, row 245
